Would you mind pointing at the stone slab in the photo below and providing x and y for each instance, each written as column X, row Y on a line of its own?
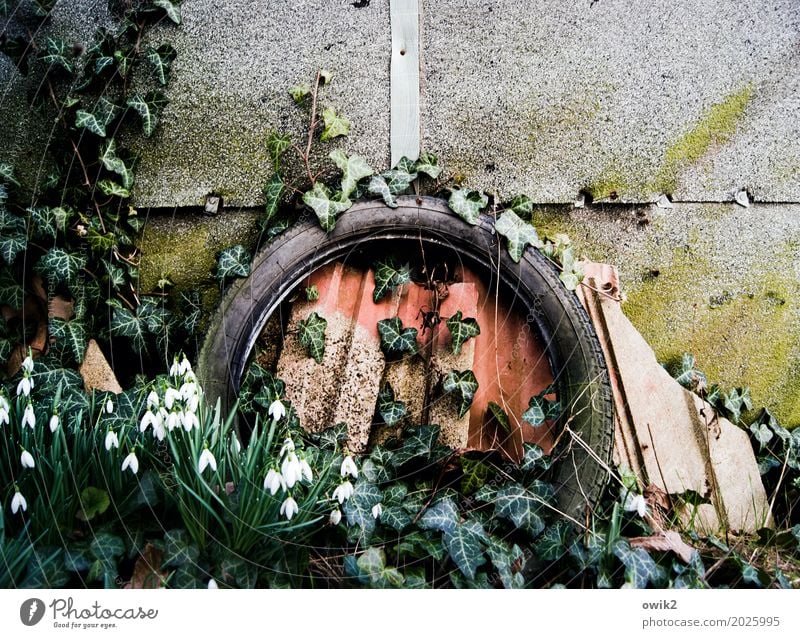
column 96, row 372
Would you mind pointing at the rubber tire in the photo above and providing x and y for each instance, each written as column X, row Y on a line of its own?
column 570, row 340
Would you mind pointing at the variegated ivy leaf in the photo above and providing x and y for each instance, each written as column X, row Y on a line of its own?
column 11, row 292
column 553, row 543
column 761, row 433
column 112, row 162
column 540, row 410
column 358, row 508
column 13, row 236
column 353, row 169
column 640, row 568
column 442, row 516
column 7, row 173
column 273, row 191
column 499, row 415
column 233, row 262
column 428, row 163
column 112, row 189
column 277, row 145
column 533, row 457
column 420, row 445
column 124, row 62
column 46, row 222
column 325, row 206
column 312, row 335
column 391, row 411
column 395, row 339
column 335, row 126
column 172, row 9
column 468, row 204
column 161, row 60
column 149, row 109
column 393, row 182
column 689, row 376
column 465, row 547
column 59, row 266
column 522, row 205
column 103, row 63
column 103, row 114
column 461, row 330
column 71, row 336
column 299, row 92
column 518, row 232
column 388, row 276
column 572, row 270
column 465, row 385
column 56, row 53
column 520, row 506
column 508, row 561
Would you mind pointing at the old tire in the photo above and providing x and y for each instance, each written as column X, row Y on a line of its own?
column 580, row 466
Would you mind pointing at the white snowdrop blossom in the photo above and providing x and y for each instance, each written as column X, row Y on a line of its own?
column 343, row 492
column 277, row 410
column 173, row 420
column 24, row 386
column 305, row 471
column 175, row 368
column 188, row 390
column 189, row 420
column 5, row 409
column 288, row 446
column 185, row 367
column 206, row 460
column 635, row 503
column 273, row 481
column 27, row 363
column 336, row 516
column 193, row 402
column 148, row 419
column 349, row 467
column 170, row 396
column 152, row 400
column 377, row 510
column 159, row 431
column 131, row 462
column 291, row 470
column 212, row 584
column 28, row 416
column 18, row 503
column 237, row 446
column 289, row 508
column 26, row 460
column 54, row 422
column 111, row 440
column 109, row 406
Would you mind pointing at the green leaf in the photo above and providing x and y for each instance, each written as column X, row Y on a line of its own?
column 299, row 92
column 45, row 570
column 533, row 458
column 553, row 543
column 59, row 266
column 372, row 563
column 515, row 503
column 56, row 53
column 519, row 234
column 177, row 549
column 94, row 502
column 312, row 335
column 149, row 109
column 396, row 517
column 102, row 63
column 475, row 473
column 468, row 204
column 126, row 324
column 499, row 415
column 391, row 411
column 11, row 292
column 71, row 335
column 161, row 60
column 272, row 198
column 522, row 205
column 640, row 568
column 442, row 516
column 325, row 207
column 277, row 145
column 103, row 114
column 335, row 126
column 388, row 276
column 105, row 546
column 761, row 433
column 428, row 163
column 508, row 561
column 572, row 270
column 541, row 409
column 84, row 119
column 233, row 262
column 13, row 236
column 172, row 9
column 688, row 375
column 461, row 330
column 465, row 549
column 358, row 508
column 112, row 189
column 7, row 173
column 354, row 168
column 465, row 385
column 47, row 222
column 395, row 339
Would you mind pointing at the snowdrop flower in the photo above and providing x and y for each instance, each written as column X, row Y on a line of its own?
column 305, row 471
column 635, row 503
column 28, row 417
column 131, row 462
column 27, row 363
column 5, row 408
column 291, row 470
column 212, row 584
column 377, row 510
column 173, row 420
column 185, row 367
column 343, row 492
column 235, row 443
column 18, row 502
column 289, row 508
column 158, row 430
column 109, row 406
column 24, row 386
column 111, row 440
column 277, row 410
column 170, row 396
column 152, row 400
column 273, row 481
column 336, row 517
column 188, row 390
column 175, row 368
column 189, row 420
column 26, row 459
column 148, row 419
column 54, row 422
column 349, row 467
column 206, row 460
column 288, row 446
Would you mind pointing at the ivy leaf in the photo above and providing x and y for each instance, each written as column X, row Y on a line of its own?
column 178, row 550
column 572, row 270
column 7, row 173
column 13, row 236
column 515, row 503
column 112, row 162
column 84, row 119
column 689, row 376
column 57, row 54
column 396, row 517
column 465, row 385
column 358, row 508
column 102, row 63
column 395, row 339
column 124, row 323
column 640, row 568
column 465, row 549
column 11, row 292
column 461, row 330
column 761, row 433
column 172, row 9
column 519, row 234
column 273, row 190
column 354, row 168
column 94, row 502
column 391, row 411
column 499, row 415
column 299, row 92
column 233, row 262
column 508, row 561
column 325, row 207
column 420, row 445
column 72, row 334
column 474, row 474
column 312, row 335
column 428, row 163
column 468, row 204
column 533, row 457
column 335, row 126
column 59, row 266
column 103, row 114
column 522, row 206
column 105, row 546
column 552, row 544
column 161, row 60
column 442, row 516
column 149, row 109
column 388, row 276
column 112, row 189
column 277, row 145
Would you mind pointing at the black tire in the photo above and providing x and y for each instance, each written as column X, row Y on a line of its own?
column 575, row 356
